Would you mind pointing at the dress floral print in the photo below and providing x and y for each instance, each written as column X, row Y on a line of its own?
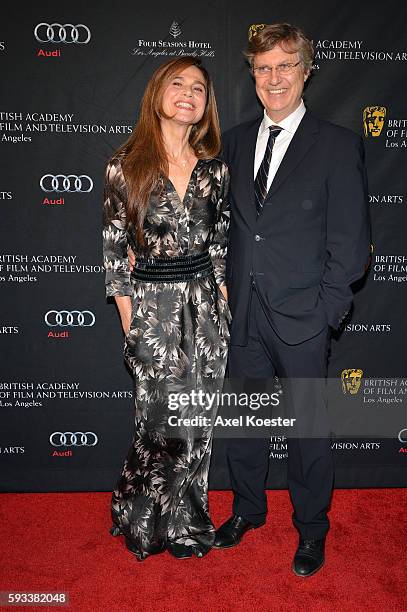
column 177, row 342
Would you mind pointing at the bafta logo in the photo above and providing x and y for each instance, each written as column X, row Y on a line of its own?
column 175, row 30
column 254, row 29
column 373, row 120
column 351, row 380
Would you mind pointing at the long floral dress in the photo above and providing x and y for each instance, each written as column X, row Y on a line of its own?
column 177, row 342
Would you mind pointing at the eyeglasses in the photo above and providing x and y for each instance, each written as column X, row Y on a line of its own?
column 261, row 71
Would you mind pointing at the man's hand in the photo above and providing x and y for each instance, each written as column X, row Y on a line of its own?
column 132, row 259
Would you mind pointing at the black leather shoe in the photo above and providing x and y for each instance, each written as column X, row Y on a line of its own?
column 179, row 551
column 231, row 533
column 309, row 557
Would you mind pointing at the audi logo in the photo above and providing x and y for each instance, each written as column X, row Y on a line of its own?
column 73, row 438
column 70, row 183
column 69, row 318
column 403, row 436
column 57, row 33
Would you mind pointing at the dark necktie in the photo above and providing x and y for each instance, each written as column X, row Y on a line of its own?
column 260, row 183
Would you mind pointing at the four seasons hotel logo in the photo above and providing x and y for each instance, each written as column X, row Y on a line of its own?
column 175, row 30
column 351, row 380
column 373, row 120
column 173, row 45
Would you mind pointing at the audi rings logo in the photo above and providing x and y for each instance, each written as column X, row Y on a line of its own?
column 57, row 33
column 73, row 438
column 69, row 318
column 403, row 436
column 70, row 183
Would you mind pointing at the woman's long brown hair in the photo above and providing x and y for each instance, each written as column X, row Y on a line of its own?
column 145, row 159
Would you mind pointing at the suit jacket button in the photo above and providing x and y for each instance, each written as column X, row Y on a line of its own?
column 257, row 238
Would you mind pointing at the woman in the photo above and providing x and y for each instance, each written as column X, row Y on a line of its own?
column 166, row 198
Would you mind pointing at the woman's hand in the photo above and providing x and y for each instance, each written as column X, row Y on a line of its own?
column 124, row 306
column 224, row 291
column 132, row 259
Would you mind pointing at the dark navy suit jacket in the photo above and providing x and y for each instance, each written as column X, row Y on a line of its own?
column 312, row 239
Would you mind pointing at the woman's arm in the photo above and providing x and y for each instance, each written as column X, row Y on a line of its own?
column 123, row 303
column 117, row 278
column 224, row 291
column 219, row 241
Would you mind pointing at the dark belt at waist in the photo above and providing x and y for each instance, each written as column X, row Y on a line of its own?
column 173, row 269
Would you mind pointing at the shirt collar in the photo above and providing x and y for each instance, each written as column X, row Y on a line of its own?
column 289, row 124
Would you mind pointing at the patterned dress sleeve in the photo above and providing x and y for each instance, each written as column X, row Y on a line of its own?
column 219, row 242
column 115, row 258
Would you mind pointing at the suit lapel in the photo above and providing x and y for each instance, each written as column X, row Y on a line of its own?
column 303, row 139
column 247, row 150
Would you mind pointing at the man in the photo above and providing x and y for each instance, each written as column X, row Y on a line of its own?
column 295, row 183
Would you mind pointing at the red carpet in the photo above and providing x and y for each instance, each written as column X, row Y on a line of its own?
column 60, row 541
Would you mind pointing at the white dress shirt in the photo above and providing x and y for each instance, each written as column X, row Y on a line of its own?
column 289, row 125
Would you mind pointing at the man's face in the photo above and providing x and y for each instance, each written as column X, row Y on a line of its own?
column 279, row 93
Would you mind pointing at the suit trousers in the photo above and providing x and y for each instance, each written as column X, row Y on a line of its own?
column 310, row 462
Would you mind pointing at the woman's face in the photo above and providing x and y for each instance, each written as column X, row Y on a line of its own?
column 184, row 98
